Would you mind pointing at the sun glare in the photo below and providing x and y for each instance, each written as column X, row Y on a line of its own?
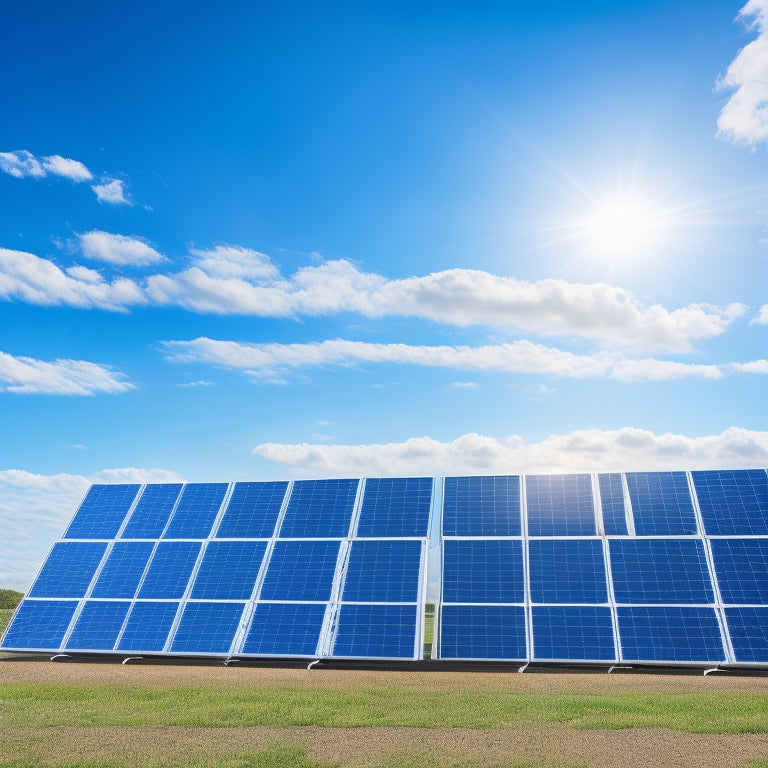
column 622, row 227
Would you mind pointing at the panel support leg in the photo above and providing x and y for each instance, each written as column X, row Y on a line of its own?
column 312, row 664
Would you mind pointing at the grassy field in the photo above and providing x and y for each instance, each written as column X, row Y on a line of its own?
column 5, row 617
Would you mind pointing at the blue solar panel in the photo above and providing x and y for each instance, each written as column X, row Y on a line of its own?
column 98, row 625
column 395, row 507
column 748, row 628
column 252, row 511
column 483, row 632
column 319, row 508
column 39, row 625
column 148, row 626
column 123, row 570
column 102, row 512
column 572, row 633
column 382, row 571
column 285, row 629
column 170, row 569
column 482, row 506
column 301, row 570
column 660, row 571
column 207, row 628
column 376, row 631
column 196, row 511
column 560, row 505
column 667, row 634
column 612, row 503
column 733, row 502
column 567, row 571
column 229, row 570
column 477, row 571
column 69, row 569
column 152, row 511
column 661, row 503
column 741, row 566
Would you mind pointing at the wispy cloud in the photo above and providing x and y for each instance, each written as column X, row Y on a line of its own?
column 35, row 509
column 26, row 375
column 23, row 163
column 118, row 249
column 231, row 280
column 272, row 361
column 591, row 450
column 112, row 192
column 744, row 118
column 762, row 317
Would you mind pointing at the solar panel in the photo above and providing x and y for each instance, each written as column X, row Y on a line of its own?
column 252, row 511
column 660, row 571
column 572, row 633
column 229, row 570
column 319, row 508
column 39, row 625
column 381, row 631
column 301, row 570
column 560, row 505
column 285, row 629
column 196, row 511
column 733, row 502
column 478, row 571
column 125, row 566
column 170, row 569
column 482, row 506
column 612, row 504
column 396, row 507
column 102, row 512
column 207, row 628
column 98, row 625
column 741, row 566
column 383, row 571
column 567, row 571
column 148, row 626
column 661, row 503
column 483, row 632
column 152, row 511
column 748, row 627
column 69, row 569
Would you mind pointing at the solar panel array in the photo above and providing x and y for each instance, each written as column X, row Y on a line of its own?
column 641, row 567
column 323, row 568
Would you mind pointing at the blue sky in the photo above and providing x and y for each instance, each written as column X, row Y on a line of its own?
column 294, row 240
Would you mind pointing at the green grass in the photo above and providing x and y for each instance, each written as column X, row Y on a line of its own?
column 5, row 617
column 9, row 598
column 392, row 705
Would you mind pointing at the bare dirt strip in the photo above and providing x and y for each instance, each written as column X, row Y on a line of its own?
column 550, row 744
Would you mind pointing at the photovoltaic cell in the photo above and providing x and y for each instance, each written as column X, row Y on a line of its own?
column 169, row 570
column 69, row 569
column 229, row 570
column 383, row 571
column 733, row 502
column 612, row 503
column 207, row 628
column 196, row 511
column 560, row 505
column 660, row 571
column 301, row 570
column 319, row 508
column 480, row 571
column 39, row 625
column 252, row 511
column 482, row 506
column 98, row 625
column 102, row 512
column 152, row 511
column 395, row 507
column 123, row 570
column 748, row 628
column 483, row 632
column 573, row 633
column 285, row 629
column 567, row 571
column 148, row 626
column 661, row 503
column 741, row 566
column 676, row 633
column 376, row 631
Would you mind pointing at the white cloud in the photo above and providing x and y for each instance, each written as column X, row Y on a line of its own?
column 64, row 166
column 754, row 366
column 35, row 510
column 25, row 375
column 464, row 385
column 762, row 318
column 118, row 249
column 39, row 281
column 111, row 192
column 198, row 383
column 592, row 450
column 744, row 118
column 231, row 280
column 270, row 361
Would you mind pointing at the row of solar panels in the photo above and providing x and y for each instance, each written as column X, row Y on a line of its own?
column 337, row 568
